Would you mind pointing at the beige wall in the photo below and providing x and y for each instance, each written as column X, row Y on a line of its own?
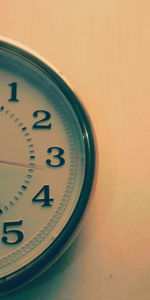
column 103, row 48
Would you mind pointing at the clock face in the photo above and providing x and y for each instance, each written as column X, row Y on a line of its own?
column 46, row 165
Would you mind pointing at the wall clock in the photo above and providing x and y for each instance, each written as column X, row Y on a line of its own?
column 47, row 161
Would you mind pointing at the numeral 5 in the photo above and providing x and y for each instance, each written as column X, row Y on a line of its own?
column 7, row 231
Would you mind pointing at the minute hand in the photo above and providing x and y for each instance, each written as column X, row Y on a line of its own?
column 6, row 162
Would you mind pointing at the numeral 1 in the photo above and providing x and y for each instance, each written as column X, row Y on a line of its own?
column 13, row 86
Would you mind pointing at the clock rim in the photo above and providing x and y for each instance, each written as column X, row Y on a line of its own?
column 49, row 256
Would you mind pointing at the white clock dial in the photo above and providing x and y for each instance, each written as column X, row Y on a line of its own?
column 46, row 164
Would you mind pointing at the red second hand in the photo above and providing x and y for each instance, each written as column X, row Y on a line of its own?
column 20, row 164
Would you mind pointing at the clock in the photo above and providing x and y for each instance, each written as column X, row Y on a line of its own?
column 47, row 163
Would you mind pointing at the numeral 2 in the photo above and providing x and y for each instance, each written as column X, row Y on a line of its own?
column 40, row 123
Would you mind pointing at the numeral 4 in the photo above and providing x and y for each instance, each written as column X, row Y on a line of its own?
column 45, row 190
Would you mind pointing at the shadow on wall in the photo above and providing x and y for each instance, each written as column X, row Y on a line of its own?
column 51, row 281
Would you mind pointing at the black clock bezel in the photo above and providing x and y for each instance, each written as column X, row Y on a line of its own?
column 55, row 250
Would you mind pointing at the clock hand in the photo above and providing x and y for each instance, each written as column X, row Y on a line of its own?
column 20, row 164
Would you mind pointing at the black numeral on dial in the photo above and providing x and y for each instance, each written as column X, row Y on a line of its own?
column 13, row 97
column 8, row 231
column 42, row 123
column 57, row 159
column 45, row 190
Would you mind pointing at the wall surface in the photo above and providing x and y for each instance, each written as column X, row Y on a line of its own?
column 103, row 48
